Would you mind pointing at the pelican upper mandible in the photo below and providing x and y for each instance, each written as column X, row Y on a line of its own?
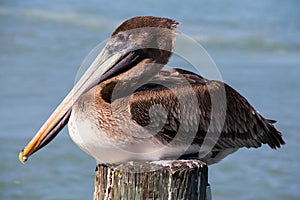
column 127, row 108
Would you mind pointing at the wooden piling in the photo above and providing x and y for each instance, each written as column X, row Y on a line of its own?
column 163, row 180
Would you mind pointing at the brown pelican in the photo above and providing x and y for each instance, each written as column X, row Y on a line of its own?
column 126, row 107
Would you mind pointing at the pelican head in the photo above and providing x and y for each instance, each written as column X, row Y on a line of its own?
column 140, row 38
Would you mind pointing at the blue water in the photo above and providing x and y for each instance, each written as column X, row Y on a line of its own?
column 255, row 44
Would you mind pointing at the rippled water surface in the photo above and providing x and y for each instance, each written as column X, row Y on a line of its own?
column 255, row 44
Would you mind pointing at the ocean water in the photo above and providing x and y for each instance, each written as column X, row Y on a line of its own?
column 255, row 45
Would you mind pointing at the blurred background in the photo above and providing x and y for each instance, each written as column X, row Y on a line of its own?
column 255, row 44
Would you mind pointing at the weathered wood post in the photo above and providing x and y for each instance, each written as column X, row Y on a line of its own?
column 163, row 180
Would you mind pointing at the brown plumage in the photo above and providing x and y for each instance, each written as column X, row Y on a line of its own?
column 243, row 126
